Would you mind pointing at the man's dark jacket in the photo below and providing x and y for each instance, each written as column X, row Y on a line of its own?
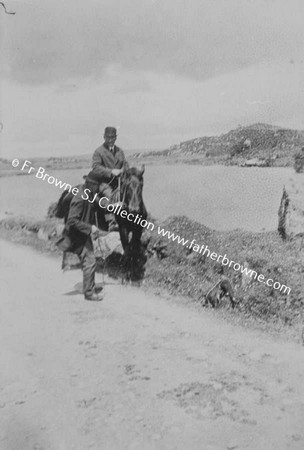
column 80, row 220
column 104, row 161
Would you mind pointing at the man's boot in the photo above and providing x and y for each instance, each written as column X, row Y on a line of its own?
column 94, row 297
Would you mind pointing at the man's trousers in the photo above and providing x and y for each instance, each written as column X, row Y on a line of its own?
column 88, row 265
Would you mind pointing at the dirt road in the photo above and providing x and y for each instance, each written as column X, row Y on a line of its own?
column 135, row 371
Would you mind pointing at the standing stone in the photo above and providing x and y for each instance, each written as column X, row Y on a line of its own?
column 291, row 211
column 299, row 161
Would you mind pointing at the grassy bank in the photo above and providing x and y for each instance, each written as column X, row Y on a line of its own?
column 192, row 274
column 181, row 271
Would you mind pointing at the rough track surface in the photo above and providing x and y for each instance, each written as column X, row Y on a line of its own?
column 135, row 371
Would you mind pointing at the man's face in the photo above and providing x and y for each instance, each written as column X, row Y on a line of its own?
column 110, row 139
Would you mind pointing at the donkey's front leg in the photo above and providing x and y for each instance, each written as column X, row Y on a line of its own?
column 136, row 241
column 124, row 237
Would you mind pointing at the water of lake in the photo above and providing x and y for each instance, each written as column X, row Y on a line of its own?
column 220, row 197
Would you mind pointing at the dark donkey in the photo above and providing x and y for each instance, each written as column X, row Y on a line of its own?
column 130, row 230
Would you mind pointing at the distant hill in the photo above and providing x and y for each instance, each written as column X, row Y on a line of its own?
column 260, row 141
column 258, row 144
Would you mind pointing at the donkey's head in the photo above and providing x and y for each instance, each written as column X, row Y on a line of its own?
column 132, row 188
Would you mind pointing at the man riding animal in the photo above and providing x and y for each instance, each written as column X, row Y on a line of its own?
column 108, row 163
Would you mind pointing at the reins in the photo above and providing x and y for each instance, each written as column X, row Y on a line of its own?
column 117, row 193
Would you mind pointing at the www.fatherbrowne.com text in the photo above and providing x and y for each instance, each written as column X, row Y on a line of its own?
column 223, row 260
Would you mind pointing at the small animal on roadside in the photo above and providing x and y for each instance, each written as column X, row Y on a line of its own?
column 218, row 291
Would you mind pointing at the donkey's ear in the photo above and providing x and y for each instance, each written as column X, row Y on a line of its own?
column 142, row 170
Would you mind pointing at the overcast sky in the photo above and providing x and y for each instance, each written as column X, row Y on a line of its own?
column 162, row 71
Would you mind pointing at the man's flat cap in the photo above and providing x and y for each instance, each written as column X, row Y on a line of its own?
column 110, row 131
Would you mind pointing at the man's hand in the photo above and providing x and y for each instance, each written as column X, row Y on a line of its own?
column 116, row 172
column 94, row 231
column 118, row 204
